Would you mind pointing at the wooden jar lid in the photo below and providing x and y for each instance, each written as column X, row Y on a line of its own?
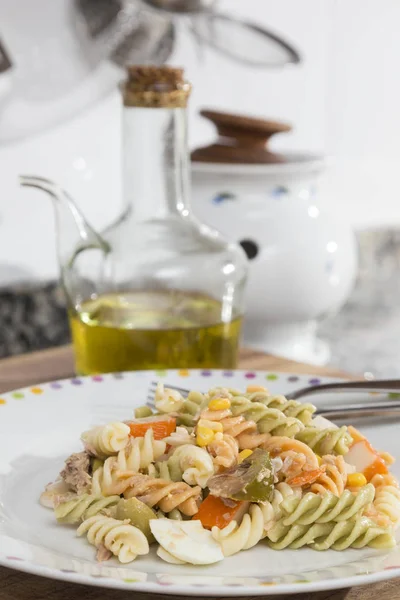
column 241, row 140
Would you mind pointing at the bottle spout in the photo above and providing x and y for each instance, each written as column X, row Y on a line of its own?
column 74, row 234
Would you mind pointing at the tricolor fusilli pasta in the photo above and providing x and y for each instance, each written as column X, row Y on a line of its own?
column 214, row 474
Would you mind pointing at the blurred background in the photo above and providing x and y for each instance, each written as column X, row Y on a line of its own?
column 341, row 100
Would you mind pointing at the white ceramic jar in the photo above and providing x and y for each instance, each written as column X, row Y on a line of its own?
column 302, row 259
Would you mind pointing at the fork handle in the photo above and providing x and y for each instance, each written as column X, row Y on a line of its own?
column 383, row 410
column 382, row 385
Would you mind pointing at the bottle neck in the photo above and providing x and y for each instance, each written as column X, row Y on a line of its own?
column 155, row 162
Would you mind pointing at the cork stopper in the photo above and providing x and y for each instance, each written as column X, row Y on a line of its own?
column 152, row 86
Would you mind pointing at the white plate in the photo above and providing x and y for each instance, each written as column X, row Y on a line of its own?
column 40, row 426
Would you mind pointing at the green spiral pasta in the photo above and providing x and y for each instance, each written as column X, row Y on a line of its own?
column 143, row 411
column 268, row 420
column 356, row 533
column 290, row 408
column 314, row 508
column 191, row 408
column 84, row 506
column 334, row 440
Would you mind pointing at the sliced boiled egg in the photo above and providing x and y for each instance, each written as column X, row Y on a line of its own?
column 162, row 553
column 186, row 541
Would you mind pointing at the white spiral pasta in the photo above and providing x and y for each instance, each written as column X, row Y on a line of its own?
column 106, row 440
column 140, row 452
column 113, row 477
column 167, row 400
column 254, row 526
column 188, row 463
column 119, row 537
column 179, row 437
column 387, row 503
column 108, row 480
column 234, row 538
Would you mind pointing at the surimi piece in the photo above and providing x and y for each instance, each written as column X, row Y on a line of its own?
column 366, row 460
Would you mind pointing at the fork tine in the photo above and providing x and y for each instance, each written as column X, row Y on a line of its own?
column 152, row 391
column 153, row 386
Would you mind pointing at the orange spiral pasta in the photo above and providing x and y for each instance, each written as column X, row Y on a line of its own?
column 167, row 495
column 244, row 431
column 281, row 446
column 224, row 450
column 334, row 477
column 387, row 479
column 293, row 463
column 386, row 457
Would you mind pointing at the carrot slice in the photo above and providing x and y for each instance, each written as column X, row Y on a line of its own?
column 162, row 426
column 214, row 511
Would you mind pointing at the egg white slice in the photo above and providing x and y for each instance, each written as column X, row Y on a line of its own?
column 162, row 553
column 187, row 541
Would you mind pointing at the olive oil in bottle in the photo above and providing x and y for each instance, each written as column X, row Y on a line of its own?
column 153, row 330
column 127, row 289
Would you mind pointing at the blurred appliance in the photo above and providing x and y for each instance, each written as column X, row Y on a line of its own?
column 59, row 56
column 60, row 65
column 302, row 259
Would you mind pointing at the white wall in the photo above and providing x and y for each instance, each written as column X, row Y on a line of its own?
column 295, row 93
column 342, row 100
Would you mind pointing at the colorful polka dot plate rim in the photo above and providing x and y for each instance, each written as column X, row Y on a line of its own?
column 40, row 425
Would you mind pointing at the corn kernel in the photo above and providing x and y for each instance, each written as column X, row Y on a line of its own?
column 319, row 459
column 356, row 480
column 204, row 436
column 219, row 404
column 244, row 454
column 213, row 425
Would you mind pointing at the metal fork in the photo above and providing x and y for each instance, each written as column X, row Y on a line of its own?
column 382, row 409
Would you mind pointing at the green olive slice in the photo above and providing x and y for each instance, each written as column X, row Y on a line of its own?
column 138, row 513
column 251, row 480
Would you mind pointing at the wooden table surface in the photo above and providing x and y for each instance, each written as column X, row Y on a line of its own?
column 56, row 364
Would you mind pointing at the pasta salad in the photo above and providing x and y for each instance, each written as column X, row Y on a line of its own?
column 211, row 475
